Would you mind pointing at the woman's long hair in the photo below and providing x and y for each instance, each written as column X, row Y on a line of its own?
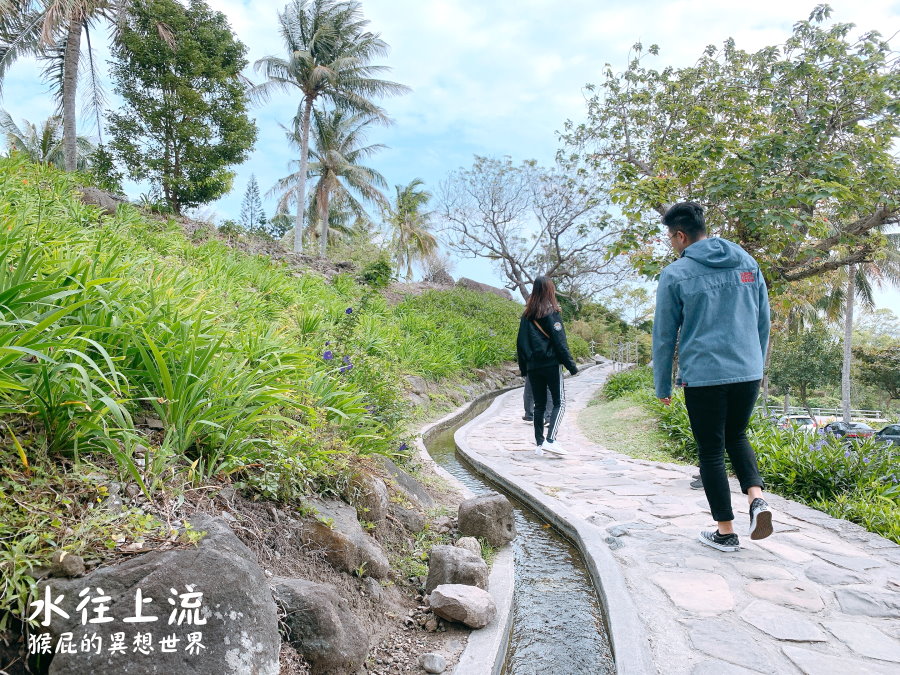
column 542, row 300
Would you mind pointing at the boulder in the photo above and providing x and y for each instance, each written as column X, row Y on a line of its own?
column 412, row 488
column 412, row 520
column 216, row 590
column 489, row 517
column 470, row 544
column 467, row 604
column 107, row 201
column 371, row 495
column 473, row 285
column 320, row 625
column 454, row 565
column 347, row 547
column 417, row 384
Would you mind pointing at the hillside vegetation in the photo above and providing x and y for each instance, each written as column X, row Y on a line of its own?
column 129, row 351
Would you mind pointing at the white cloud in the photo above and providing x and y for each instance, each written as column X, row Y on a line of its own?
column 491, row 77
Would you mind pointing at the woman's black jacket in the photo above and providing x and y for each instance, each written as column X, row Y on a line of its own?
column 537, row 351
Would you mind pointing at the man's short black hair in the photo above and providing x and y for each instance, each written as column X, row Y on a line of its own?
column 686, row 217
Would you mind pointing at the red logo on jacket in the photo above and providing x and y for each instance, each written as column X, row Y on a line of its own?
column 748, row 277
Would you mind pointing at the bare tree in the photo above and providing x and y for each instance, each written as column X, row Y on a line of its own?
column 532, row 221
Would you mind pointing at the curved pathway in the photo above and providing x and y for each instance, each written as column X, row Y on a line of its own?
column 820, row 596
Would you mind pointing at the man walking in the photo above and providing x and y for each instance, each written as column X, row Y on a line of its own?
column 713, row 301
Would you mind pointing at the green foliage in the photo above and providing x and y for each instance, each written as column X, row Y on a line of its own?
column 259, row 375
column 253, row 218
column 411, row 238
column 859, row 481
column 185, row 116
column 790, row 148
column 378, row 273
column 805, row 360
column 104, row 171
column 880, row 367
column 627, row 382
column 47, row 508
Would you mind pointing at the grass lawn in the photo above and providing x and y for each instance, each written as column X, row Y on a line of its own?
column 624, row 425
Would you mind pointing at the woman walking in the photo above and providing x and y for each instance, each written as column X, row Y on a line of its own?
column 542, row 347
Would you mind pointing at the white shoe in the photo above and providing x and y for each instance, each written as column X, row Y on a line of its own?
column 554, row 447
column 539, row 451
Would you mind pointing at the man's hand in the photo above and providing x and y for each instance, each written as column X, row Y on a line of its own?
column 666, row 401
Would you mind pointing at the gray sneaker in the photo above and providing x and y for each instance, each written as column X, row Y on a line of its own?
column 760, row 519
column 697, row 484
column 721, row 542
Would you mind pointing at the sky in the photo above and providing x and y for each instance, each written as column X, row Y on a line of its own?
column 488, row 77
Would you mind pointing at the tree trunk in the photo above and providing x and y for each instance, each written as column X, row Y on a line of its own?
column 848, row 340
column 323, row 216
column 786, row 401
column 70, row 85
column 304, row 164
column 806, row 403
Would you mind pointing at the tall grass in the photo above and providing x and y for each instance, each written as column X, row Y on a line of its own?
column 258, row 373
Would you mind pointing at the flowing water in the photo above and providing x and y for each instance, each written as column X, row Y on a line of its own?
column 558, row 622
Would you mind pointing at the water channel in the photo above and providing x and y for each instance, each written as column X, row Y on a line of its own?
column 558, row 625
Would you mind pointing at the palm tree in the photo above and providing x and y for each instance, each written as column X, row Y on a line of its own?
column 411, row 239
column 43, row 144
column 52, row 30
column 337, row 150
column 857, row 283
column 329, row 56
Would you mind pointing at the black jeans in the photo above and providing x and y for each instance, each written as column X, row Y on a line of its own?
column 528, row 400
column 544, row 381
column 719, row 416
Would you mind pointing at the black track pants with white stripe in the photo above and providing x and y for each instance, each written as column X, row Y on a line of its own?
column 542, row 380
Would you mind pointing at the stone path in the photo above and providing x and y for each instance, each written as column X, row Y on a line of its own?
column 820, row 596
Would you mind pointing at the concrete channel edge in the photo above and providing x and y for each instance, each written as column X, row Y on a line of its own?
column 626, row 632
column 485, row 650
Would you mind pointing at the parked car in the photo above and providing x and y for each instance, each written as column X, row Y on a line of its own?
column 802, row 422
column 890, row 434
column 849, row 429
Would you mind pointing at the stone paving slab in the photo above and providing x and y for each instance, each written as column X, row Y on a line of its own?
column 820, row 596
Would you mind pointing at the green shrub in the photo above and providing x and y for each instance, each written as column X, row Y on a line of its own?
column 378, row 273
column 858, row 481
column 627, row 382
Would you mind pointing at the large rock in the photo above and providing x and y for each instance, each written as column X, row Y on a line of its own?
column 412, row 520
column 467, row 604
column 412, row 488
column 319, row 624
column 473, row 285
column 488, row 516
column 417, row 384
column 347, row 547
column 454, row 565
column 235, row 615
column 107, row 201
column 470, row 544
column 371, row 494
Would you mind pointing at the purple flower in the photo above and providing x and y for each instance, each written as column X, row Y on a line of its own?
column 346, row 360
column 403, row 447
column 846, row 453
column 327, row 343
column 344, row 369
column 328, row 355
column 349, row 310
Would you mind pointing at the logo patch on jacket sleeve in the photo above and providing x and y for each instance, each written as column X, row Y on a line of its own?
column 557, row 326
column 748, row 277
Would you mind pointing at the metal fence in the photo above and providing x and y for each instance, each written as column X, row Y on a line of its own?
column 827, row 412
column 623, row 354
